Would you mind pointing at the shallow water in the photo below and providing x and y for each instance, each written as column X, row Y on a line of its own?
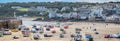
column 27, row 22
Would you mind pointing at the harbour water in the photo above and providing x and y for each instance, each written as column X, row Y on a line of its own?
column 29, row 22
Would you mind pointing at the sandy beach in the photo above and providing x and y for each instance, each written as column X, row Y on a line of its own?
column 87, row 28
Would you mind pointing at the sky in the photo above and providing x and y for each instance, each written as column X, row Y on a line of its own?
column 91, row 1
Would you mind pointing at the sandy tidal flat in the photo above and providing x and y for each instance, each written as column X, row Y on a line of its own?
column 87, row 28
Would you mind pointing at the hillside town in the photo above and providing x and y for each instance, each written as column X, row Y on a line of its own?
column 107, row 12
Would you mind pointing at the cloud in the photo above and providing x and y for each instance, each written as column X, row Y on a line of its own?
column 55, row 0
column 58, row 0
column 93, row 1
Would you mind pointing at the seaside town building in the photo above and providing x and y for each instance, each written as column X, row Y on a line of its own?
column 96, row 14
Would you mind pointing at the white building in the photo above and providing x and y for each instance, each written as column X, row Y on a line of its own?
column 64, row 8
column 52, row 14
column 41, row 8
column 53, row 9
column 75, row 9
column 73, row 14
column 66, row 15
column 32, row 9
column 113, row 18
column 59, row 15
column 117, row 10
column 95, row 12
column 83, row 16
column 38, row 8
